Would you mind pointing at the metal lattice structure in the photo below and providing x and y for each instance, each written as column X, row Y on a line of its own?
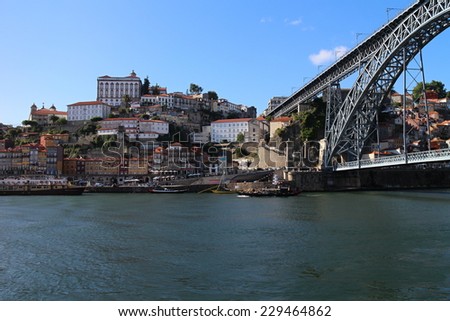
column 379, row 61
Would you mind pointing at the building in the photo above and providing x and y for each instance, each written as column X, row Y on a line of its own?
column 32, row 159
column 86, row 110
column 111, row 90
column 227, row 130
column 278, row 123
column 134, row 128
column 202, row 137
column 54, row 139
column 44, row 116
column 274, row 102
column 224, row 106
column 171, row 101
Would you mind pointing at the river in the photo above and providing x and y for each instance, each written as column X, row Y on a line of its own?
column 315, row 246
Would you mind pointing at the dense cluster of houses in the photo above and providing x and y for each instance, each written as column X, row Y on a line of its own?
column 139, row 121
column 427, row 125
column 134, row 124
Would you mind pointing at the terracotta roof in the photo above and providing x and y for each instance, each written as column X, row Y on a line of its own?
column 236, row 120
column 85, row 103
column 45, row 111
column 153, row 121
column 282, row 119
column 119, row 119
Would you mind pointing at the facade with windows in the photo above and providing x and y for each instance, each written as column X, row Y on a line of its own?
column 274, row 102
column 111, row 90
column 43, row 116
column 171, row 101
column 87, row 110
column 134, row 128
column 227, row 130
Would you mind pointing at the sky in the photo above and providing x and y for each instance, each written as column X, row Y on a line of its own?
column 52, row 51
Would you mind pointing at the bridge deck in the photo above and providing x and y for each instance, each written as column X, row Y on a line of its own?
column 440, row 155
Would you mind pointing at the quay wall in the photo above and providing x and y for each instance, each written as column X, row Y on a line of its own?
column 373, row 179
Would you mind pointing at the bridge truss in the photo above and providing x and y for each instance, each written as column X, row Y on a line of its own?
column 379, row 61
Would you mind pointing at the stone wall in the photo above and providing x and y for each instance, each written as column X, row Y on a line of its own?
column 373, row 179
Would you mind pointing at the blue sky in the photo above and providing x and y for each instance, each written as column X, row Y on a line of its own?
column 246, row 50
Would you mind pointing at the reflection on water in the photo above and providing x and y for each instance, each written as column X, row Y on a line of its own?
column 338, row 246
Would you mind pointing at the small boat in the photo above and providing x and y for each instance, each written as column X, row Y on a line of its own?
column 222, row 190
column 160, row 189
column 38, row 186
column 280, row 192
column 277, row 188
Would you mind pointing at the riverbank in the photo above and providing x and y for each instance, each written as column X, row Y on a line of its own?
column 192, row 185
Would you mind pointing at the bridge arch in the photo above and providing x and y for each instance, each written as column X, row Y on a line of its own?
column 354, row 119
column 379, row 61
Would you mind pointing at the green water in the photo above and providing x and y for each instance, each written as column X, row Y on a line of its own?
column 336, row 246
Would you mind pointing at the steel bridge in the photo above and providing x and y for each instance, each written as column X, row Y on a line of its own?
column 377, row 62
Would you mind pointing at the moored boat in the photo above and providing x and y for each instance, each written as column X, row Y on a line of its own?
column 163, row 189
column 277, row 188
column 279, row 191
column 222, row 190
column 38, row 186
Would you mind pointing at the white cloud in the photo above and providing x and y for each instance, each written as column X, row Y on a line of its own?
column 327, row 56
column 266, row 20
column 295, row 22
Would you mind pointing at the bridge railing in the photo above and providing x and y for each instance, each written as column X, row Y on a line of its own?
column 402, row 159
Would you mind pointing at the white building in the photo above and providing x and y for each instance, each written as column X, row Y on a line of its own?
column 171, row 101
column 157, row 126
column 226, row 107
column 134, row 128
column 86, row 110
column 229, row 129
column 111, row 90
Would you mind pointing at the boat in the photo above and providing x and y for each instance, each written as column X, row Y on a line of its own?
column 38, row 186
column 277, row 188
column 163, row 189
column 222, row 191
column 269, row 191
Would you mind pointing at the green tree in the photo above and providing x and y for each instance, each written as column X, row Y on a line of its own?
column 155, row 90
column 240, row 138
column 61, row 121
column 437, row 86
column 279, row 132
column 213, row 95
column 53, row 118
column 195, row 89
column 126, row 101
column 312, row 121
column 145, row 89
column 31, row 123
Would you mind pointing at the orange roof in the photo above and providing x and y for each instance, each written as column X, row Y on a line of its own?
column 282, row 119
column 153, row 121
column 236, row 120
column 118, row 119
column 85, row 103
column 44, row 111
